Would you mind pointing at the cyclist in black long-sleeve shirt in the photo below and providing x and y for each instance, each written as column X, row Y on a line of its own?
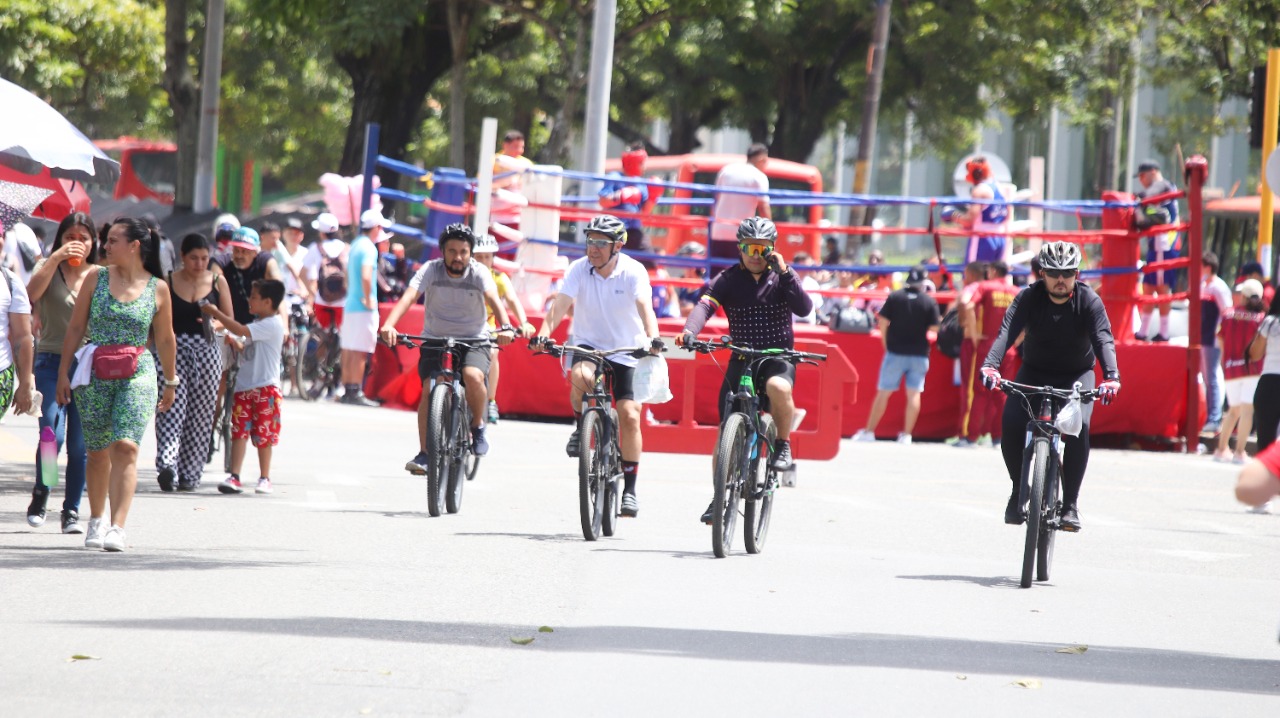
column 1067, row 332
column 760, row 296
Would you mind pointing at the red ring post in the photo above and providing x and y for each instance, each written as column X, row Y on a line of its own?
column 1196, row 171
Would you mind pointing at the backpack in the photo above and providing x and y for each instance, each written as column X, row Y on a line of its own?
column 950, row 335
column 332, row 282
column 853, row 320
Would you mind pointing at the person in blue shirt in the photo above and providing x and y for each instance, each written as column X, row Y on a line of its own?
column 359, row 332
column 620, row 194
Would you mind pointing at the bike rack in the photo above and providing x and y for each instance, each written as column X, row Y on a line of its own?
column 823, row 391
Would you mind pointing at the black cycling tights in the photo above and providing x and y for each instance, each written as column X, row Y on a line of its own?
column 1076, row 455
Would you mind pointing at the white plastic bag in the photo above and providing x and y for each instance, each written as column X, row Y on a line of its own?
column 650, row 383
column 1071, row 419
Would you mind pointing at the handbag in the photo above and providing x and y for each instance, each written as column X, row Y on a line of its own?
column 853, row 320
column 116, row 361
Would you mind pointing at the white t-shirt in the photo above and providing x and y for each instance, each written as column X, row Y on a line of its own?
column 311, row 265
column 808, row 284
column 1270, row 329
column 10, row 303
column 605, row 315
column 297, row 261
column 453, row 306
column 732, row 207
column 260, row 362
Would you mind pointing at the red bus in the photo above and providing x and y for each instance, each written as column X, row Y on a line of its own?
column 1231, row 232
column 148, row 168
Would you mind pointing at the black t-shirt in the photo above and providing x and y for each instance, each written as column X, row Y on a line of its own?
column 911, row 312
column 241, row 283
column 1062, row 339
column 759, row 310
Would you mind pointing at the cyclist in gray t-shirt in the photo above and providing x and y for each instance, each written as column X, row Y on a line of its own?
column 455, row 289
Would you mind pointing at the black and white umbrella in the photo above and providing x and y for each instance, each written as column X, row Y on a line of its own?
column 35, row 137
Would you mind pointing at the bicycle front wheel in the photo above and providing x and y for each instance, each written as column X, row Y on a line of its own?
column 731, row 464
column 1048, row 531
column 461, row 452
column 1035, row 513
column 592, row 473
column 759, row 489
column 312, row 379
column 439, row 441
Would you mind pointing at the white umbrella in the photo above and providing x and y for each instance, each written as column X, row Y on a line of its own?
column 34, row 136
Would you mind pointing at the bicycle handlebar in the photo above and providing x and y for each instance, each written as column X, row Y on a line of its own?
column 550, row 347
column 1013, row 387
column 414, row 341
column 746, row 351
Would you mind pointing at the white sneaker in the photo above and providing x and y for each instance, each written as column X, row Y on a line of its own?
column 1263, row 508
column 114, row 540
column 864, row 435
column 264, row 485
column 904, row 438
column 93, row 538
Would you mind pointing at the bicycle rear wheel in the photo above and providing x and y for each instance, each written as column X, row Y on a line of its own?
column 439, row 439
column 312, row 377
column 1048, row 528
column 759, row 490
column 592, row 469
column 730, row 464
column 1035, row 515
column 458, row 466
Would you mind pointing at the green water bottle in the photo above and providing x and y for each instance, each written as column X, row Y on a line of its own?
column 48, row 457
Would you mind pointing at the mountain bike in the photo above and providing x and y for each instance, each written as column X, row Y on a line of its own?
column 1041, row 485
column 449, row 447
column 742, row 466
column 319, row 368
column 599, row 454
column 291, row 353
column 220, row 440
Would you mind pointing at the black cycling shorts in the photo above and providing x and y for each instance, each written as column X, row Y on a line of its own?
column 765, row 371
column 622, row 377
column 429, row 360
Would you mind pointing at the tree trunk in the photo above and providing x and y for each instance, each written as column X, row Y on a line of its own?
column 459, row 26
column 184, row 99
column 566, row 117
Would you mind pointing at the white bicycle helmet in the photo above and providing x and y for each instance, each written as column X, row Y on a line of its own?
column 485, row 245
column 609, row 226
column 759, row 228
column 1059, row 255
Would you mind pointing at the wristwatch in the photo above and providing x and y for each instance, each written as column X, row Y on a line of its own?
column 174, row 382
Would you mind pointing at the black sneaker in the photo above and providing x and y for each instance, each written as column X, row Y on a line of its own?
column 418, row 464
column 1159, row 338
column 707, row 515
column 630, row 507
column 186, row 487
column 781, row 456
column 1069, row 518
column 479, row 444
column 71, row 523
column 35, row 510
column 572, row 447
column 1013, row 514
column 358, row 399
column 165, row 479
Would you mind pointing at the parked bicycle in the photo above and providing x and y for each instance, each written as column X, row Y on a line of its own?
column 291, row 354
column 451, row 462
column 1040, row 492
column 320, row 368
column 600, row 456
column 742, row 467
column 222, row 418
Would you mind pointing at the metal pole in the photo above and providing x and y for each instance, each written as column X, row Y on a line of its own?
column 870, row 107
column 837, row 173
column 372, row 130
column 210, row 80
column 1197, row 169
column 1266, row 215
column 598, row 88
column 1131, row 158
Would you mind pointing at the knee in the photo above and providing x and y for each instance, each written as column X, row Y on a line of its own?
column 629, row 413
column 779, row 390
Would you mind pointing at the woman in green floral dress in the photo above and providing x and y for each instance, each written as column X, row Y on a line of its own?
column 122, row 303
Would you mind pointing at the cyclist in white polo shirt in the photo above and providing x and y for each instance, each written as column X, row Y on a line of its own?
column 612, row 308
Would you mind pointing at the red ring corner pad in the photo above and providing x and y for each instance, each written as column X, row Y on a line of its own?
column 685, row 426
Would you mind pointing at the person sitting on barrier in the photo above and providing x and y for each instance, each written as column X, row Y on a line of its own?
column 455, row 290
column 511, row 162
column 612, row 303
column 731, row 208
column 760, row 296
column 985, row 217
column 618, row 193
column 1159, row 246
column 486, row 248
column 1067, row 332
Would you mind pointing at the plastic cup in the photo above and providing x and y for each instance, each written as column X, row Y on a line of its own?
column 74, row 261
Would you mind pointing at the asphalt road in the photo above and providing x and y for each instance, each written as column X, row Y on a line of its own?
column 887, row 588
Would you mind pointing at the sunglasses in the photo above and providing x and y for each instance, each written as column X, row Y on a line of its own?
column 599, row 243
column 1059, row 273
column 755, row 250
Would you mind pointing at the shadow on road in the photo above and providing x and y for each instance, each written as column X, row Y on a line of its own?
column 1100, row 664
column 985, row 581
column 552, row 538
column 74, row 555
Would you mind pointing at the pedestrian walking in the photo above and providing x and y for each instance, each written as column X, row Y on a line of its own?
column 1241, row 373
column 1266, row 398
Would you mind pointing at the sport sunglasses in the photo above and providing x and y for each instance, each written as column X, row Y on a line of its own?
column 1060, row 273
column 755, row 250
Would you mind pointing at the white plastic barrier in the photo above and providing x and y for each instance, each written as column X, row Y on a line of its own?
column 543, row 185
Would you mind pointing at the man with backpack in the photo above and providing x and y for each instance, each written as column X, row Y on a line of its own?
column 326, row 271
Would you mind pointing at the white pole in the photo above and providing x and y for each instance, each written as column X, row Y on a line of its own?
column 210, row 79
column 837, row 174
column 1131, row 160
column 598, row 89
column 1051, row 168
column 484, row 178
column 908, row 147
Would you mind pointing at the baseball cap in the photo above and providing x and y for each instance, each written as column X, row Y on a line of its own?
column 1147, row 166
column 917, row 275
column 1250, row 288
column 246, row 237
column 293, row 223
column 371, row 218
column 326, row 222
column 1251, row 268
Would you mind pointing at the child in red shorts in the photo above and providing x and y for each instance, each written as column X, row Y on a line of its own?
column 1259, row 480
column 255, row 413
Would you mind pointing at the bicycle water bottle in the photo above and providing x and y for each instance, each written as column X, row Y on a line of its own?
column 48, row 457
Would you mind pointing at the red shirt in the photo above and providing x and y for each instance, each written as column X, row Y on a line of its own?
column 1270, row 458
column 1238, row 329
column 991, row 299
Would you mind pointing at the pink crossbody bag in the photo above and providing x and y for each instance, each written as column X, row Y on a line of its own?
column 116, row 361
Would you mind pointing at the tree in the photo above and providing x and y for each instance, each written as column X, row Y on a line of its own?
column 184, row 97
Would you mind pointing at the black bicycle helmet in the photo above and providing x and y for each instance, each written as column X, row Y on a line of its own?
column 1059, row 255
column 458, row 230
column 757, row 228
column 609, row 226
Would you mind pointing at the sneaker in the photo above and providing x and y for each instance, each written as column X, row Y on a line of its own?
column 479, row 444
column 1263, row 508
column 186, row 488
column 630, row 507
column 165, row 479
column 707, row 515
column 230, row 485
column 114, row 539
column 963, row 443
column 1069, row 518
column 1013, row 512
column 1210, row 427
column 864, row 435
column 1141, row 337
column 492, row 418
column 1239, row 460
column 93, row 538
column 781, row 456
column 1159, row 338
column 264, row 486
column 358, row 399
column 904, row 439
column 572, row 447
column 418, row 464
column 995, row 444
column 1221, row 457
column 36, row 509
column 71, row 523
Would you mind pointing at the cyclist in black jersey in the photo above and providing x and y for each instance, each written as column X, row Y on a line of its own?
column 761, row 296
column 1067, row 332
